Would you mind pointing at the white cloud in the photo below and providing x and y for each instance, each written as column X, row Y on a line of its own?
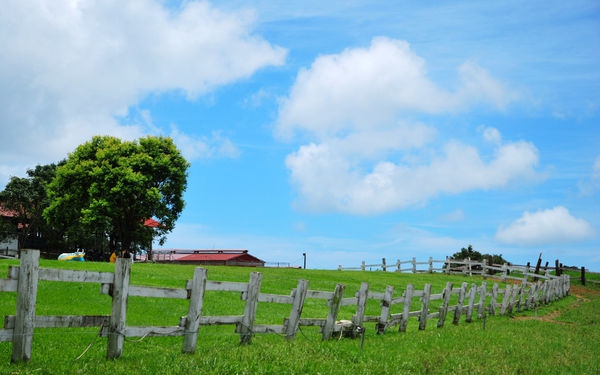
column 364, row 87
column 204, row 147
column 67, row 68
column 363, row 159
column 549, row 226
column 330, row 179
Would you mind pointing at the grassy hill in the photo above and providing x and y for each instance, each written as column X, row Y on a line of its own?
column 560, row 338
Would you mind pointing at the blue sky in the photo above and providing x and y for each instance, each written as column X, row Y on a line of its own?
column 349, row 131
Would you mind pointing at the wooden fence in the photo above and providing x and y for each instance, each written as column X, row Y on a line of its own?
column 468, row 300
column 463, row 267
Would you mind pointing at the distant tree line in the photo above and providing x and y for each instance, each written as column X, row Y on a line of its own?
column 98, row 199
column 469, row 253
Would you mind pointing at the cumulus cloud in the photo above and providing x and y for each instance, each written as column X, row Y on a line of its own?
column 69, row 68
column 329, row 179
column 364, row 87
column 551, row 226
column 364, row 159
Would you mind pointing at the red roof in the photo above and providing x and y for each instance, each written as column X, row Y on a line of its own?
column 223, row 257
column 7, row 213
column 151, row 223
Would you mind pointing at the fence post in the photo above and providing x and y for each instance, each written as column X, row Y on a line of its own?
column 383, row 265
column 398, row 265
column 430, row 265
column 583, row 276
column 459, row 304
column 507, row 294
column 334, row 308
column 297, row 305
column 472, row 294
column 424, row 307
column 408, row 294
column 25, row 310
column 414, row 265
column 192, row 323
column 385, row 309
column 361, row 303
column 445, row 302
column 482, row 295
column 118, row 313
column 247, row 324
column 363, row 265
column 492, row 306
column 504, row 272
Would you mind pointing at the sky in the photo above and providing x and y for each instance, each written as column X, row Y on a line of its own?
column 346, row 130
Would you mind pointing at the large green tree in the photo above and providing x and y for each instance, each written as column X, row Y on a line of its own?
column 110, row 187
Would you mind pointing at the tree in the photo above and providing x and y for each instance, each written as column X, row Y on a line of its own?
column 110, row 187
column 477, row 256
column 27, row 199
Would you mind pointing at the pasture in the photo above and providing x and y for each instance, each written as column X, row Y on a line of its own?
column 560, row 338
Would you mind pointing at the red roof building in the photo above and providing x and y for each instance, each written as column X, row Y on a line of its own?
column 209, row 257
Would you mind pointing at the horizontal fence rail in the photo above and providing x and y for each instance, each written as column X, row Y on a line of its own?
column 453, row 303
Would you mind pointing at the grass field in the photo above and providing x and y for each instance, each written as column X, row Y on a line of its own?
column 560, row 338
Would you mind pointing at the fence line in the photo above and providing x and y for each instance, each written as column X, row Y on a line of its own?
column 469, row 301
column 464, row 267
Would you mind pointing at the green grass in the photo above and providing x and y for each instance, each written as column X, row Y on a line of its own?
column 560, row 338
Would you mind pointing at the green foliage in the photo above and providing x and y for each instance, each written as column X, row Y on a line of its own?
column 109, row 187
column 523, row 344
column 27, row 198
column 477, row 256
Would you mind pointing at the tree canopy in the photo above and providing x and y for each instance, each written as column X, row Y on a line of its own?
column 110, row 187
column 26, row 198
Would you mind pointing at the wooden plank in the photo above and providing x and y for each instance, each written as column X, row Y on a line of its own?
column 61, row 321
column 247, row 324
column 459, row 306
column 192, row 322
column 445, row 302
column 482, row 296
column 319, row 322
column 275, row 298
column 226, row 286
column 13, row 272
column 269, row 328
column 220, row 320
column 424, row 307
column 361, row 303
column 334, row 308
column 149, row 291
column 349, row 301
column 6, row 335
column 8, row 285
column 55, row 274
column 472, row 294
column 25, row 310
column 408, row 294
column 319, row 294
column 494, row 298
column 296, row 311
column 507, row 295
column 386, row 303
column 118, row 314
column 153, row 331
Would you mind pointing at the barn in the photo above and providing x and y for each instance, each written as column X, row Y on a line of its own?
column 209, row 257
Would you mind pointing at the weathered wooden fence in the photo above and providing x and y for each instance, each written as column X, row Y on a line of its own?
column 463, row 267
column 474, row 300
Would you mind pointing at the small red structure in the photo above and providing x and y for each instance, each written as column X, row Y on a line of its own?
column 209, row 257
